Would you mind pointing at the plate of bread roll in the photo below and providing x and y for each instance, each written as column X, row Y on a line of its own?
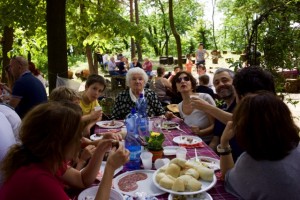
column 184, row 177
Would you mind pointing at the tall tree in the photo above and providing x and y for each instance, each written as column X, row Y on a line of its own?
column 57, row 41
column 132, row 44
column 175, row 34
column 7, row 42
column 137, row 21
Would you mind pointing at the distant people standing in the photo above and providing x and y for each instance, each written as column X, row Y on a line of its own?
column 36, row 73
column 135, row 63
column 200, row 54
column 189, row 63
column 147, row 66
column 27, row 91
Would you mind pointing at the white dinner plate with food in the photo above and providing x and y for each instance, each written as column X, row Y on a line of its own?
column 211, row 163
column 96, row 137
column 206, row 185
column 187, row 139
column 102, row 168
column 90, row 194
column 201, row 196
column 169, row 125
column 137, row 181
column 110, row 124
column 170, row 150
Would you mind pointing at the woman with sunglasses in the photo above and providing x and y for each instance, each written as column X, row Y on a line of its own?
column 201, row 123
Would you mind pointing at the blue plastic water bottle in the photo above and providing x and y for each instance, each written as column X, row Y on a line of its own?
column 143, row 122
column 132, row 141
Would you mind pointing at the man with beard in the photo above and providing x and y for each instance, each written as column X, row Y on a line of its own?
column 223, row 79
column 247, row 80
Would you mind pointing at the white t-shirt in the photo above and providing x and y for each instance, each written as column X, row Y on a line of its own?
column 198, row 117
column 7, row 138
column 13, row 119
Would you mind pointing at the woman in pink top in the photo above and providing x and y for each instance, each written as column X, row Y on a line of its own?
column 147, row 66
column 36, row 168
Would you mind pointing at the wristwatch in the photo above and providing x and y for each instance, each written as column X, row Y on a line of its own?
column 223, row 151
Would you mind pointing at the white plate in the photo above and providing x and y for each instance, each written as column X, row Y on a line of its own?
column 146, row 185
column 211, row 163
column 170, row 150
column 206, row 185
column 106, row 124
column 90, row 193
column 201, row 196
column 96, row 137
column 187, row 139
column 169, row 125
column 102, row 168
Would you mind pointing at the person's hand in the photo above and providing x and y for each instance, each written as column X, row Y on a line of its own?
column 169, row 115
column 199, row 104
column 114, row 136
column 227, row 135
column 103, row 146
column 195, row 129
column 87, row 152
column 117, row 157
column 95, row 115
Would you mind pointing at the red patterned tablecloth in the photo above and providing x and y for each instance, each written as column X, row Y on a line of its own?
column 218, row 191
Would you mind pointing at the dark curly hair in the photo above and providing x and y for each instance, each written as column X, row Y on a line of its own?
column 192, row 79
column 252, row 79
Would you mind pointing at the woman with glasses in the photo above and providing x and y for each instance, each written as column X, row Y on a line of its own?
column 201, row 123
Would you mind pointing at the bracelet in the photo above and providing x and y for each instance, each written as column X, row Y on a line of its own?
column 223, row 151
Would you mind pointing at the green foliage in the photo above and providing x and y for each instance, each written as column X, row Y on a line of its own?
column 155, row 141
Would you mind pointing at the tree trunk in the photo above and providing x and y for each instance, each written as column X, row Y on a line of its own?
column 7, row 42
column 57, row 41
column 132, row 49
column 95, row 65
column 89, row 55
column 176, row 35
column 213, row 23
column 137, row 21
column 165, row 29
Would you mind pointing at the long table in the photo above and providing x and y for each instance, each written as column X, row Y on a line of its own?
column 218, row 191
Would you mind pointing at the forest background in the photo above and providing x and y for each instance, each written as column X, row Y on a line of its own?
column 57, row 34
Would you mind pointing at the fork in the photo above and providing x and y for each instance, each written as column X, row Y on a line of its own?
column 181, row 129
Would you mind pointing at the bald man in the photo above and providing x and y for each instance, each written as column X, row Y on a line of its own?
column 28, row 91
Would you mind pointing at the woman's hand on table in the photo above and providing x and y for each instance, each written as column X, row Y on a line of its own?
column 117, row 157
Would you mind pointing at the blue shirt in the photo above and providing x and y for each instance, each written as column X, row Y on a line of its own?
column 30, row 91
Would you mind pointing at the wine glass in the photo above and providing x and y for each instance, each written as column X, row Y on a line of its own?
column 158, row 124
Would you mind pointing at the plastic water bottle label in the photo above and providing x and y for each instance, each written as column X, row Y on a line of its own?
column 135, row 155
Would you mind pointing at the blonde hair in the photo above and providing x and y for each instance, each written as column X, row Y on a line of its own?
column 64, row 93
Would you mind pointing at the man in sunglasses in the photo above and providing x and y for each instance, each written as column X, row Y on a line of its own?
column 28, row 91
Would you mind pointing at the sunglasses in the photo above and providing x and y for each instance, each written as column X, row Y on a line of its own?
column 185, row 78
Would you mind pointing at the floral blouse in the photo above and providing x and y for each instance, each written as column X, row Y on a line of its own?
column 124, row 104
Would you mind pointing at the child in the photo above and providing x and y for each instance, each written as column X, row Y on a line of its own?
column 94, row 86
column 203, row 86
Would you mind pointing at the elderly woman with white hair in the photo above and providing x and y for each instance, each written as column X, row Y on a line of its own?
column 136, row 79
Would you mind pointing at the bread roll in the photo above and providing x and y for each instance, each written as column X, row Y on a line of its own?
column 159, row 176
column 178, row 161
column 192, row 172
column 193, row 185
column 178, row 185
column 166, row 182
column 173, row 170
column 185, row 179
